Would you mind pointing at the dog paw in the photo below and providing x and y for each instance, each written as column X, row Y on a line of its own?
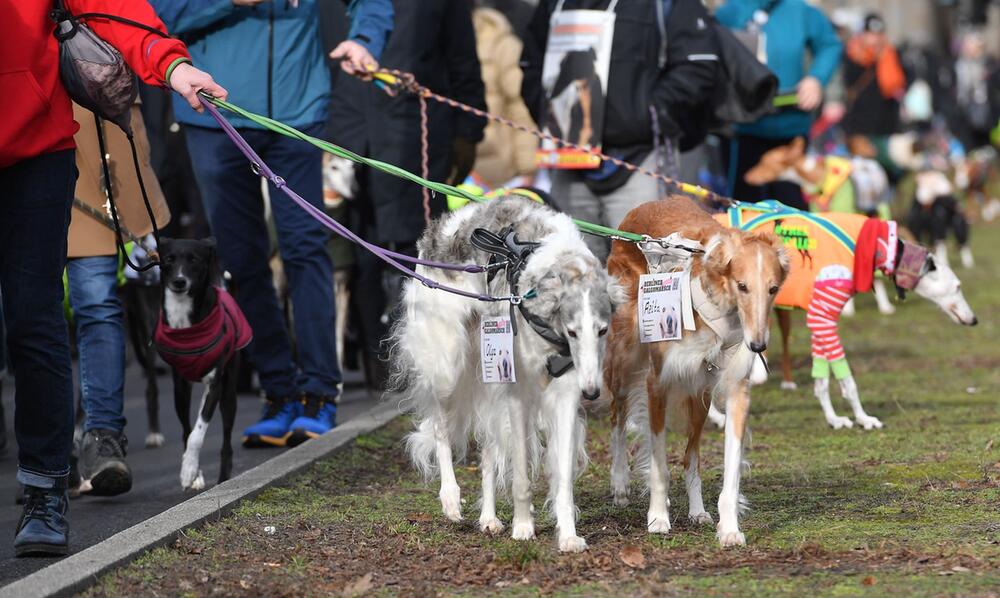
column 524, row 530
column 837, row 422
column 199, row 482
column 727, row 539
column 702, row 518
column 491, row 526
column 451, row 506
column 619, row 499
column 572, row 544
column 189, row 472
column 658, row 524
column 869, row 423
column 789, row 385
column 155, row 440
column 887, row 309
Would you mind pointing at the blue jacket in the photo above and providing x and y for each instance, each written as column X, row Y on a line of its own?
column 793, row 27
column 269, row 56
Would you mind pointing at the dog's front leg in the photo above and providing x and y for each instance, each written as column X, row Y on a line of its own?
column 849, row 390
column 566, row 404
column 522, row 526
column 619, row 450
column 191, row 476
column 658, row 517
column 737, row 411
column 488, row 521
column 451, row 501
column 885, row 306
column 821, row 387
column 698, row 409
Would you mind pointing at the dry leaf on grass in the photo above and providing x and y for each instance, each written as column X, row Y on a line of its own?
column 418, row 518
column 869, row 581
column 359, row 586
column 633, row 557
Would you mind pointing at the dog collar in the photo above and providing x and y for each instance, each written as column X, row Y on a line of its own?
column 913, row 264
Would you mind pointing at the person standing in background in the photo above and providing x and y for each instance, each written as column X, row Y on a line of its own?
column 270, row 56
column 787, row 30
column 37, row 178
column 438, row 46
column 874, row 84
column 92, row 279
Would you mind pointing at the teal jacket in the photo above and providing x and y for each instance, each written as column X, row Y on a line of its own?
column 269, row 56
column 793, row 28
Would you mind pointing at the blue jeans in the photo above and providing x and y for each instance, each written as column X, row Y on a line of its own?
column 35, row 200
column 235, row 208
column 100, row 337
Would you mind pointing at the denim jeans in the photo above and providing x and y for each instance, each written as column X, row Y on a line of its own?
column 100, row 338
column 234, row 204
column 35, row 200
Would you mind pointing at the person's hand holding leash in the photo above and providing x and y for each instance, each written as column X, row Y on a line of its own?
column 354, row 58
column 810, row 93
column 188, row 81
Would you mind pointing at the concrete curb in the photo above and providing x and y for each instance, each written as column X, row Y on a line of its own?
column 81, row 570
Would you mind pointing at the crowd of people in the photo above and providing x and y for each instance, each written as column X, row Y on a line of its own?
column 307, row 63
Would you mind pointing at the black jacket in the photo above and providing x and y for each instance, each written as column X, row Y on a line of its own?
column 434, row 40
column 681, row 87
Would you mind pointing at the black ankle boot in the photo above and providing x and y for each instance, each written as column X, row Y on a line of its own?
column 43, row 529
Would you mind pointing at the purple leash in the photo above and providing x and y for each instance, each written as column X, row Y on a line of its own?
column 389, row 257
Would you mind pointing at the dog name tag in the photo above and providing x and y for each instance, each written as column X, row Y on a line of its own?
column 497, row 350
column 660, row 307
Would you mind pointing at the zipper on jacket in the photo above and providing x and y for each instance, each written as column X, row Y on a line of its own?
column 270, row 59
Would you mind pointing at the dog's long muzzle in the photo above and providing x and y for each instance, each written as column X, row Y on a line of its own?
column 591, row 395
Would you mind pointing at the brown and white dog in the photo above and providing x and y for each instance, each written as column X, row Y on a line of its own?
column 734, row 283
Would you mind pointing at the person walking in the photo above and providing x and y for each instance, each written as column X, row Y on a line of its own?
column 438, row 46
column 785, row 31
column 659, row 74
column 269, row 55
column 92, row 275
column 37, row 179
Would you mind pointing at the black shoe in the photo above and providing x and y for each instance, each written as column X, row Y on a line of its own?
column 103, row 471
column 43, row 529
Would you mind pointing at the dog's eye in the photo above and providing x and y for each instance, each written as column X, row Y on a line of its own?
column 602, row 331
column 773, row 290
column 742, row 286
column 571, row 333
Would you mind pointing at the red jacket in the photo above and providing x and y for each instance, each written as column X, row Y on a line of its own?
column 37, row 117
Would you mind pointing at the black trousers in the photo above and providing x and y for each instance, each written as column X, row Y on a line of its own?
column 743, row 152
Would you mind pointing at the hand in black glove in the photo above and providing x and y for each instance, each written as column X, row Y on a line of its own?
column 463, row 157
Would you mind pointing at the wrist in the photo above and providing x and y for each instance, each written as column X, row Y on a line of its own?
column 173, row 65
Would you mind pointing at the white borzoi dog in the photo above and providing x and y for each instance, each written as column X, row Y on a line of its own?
column 436, row 361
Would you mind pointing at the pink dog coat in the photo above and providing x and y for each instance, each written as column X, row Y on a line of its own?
column 194, row 351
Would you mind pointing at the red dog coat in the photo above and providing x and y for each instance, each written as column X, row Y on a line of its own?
column 194, row 351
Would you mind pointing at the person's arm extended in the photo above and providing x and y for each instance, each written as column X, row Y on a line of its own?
column 371, row 23
column 824, row 44
column 154, row 58
column 189, row 15
column 688, row 80
column 532, row 60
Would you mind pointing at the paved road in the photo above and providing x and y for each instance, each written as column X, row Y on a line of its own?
column 155, row 486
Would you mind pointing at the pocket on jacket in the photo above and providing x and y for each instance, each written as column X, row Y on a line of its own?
column 24, row 107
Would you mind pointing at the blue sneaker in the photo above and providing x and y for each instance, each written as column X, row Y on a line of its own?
column 274, row 425
column 43, row 529
column 319, row 416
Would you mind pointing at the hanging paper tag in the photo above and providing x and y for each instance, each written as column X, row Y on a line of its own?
column 497, row 350
column 660, row 307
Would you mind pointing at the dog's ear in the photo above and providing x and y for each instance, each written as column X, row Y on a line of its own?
column 797, row 147
column 719, row 251
column 779, row 247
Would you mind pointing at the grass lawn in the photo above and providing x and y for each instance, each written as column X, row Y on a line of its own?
column 912, row 509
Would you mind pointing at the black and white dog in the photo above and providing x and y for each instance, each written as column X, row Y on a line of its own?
column 199, row 333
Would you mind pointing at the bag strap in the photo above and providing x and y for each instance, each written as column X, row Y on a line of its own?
column 663, row 8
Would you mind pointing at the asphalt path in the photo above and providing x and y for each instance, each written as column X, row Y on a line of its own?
column 155, row 472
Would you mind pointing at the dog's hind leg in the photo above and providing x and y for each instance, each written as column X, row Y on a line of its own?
column 658, row 517
column 562, row 401
column 698, row 410
column 785, row 325
column 191, row 475
column 885, row 306
column 619, row 450
column 737, row 411
column 450, row 494
column 227, row 407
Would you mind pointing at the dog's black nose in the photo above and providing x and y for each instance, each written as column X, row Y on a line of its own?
column 758, row 347
column 178, row 285
column 974, row 321
column 592, row 396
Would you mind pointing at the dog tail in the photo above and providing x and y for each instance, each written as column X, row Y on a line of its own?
column 420, row 444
